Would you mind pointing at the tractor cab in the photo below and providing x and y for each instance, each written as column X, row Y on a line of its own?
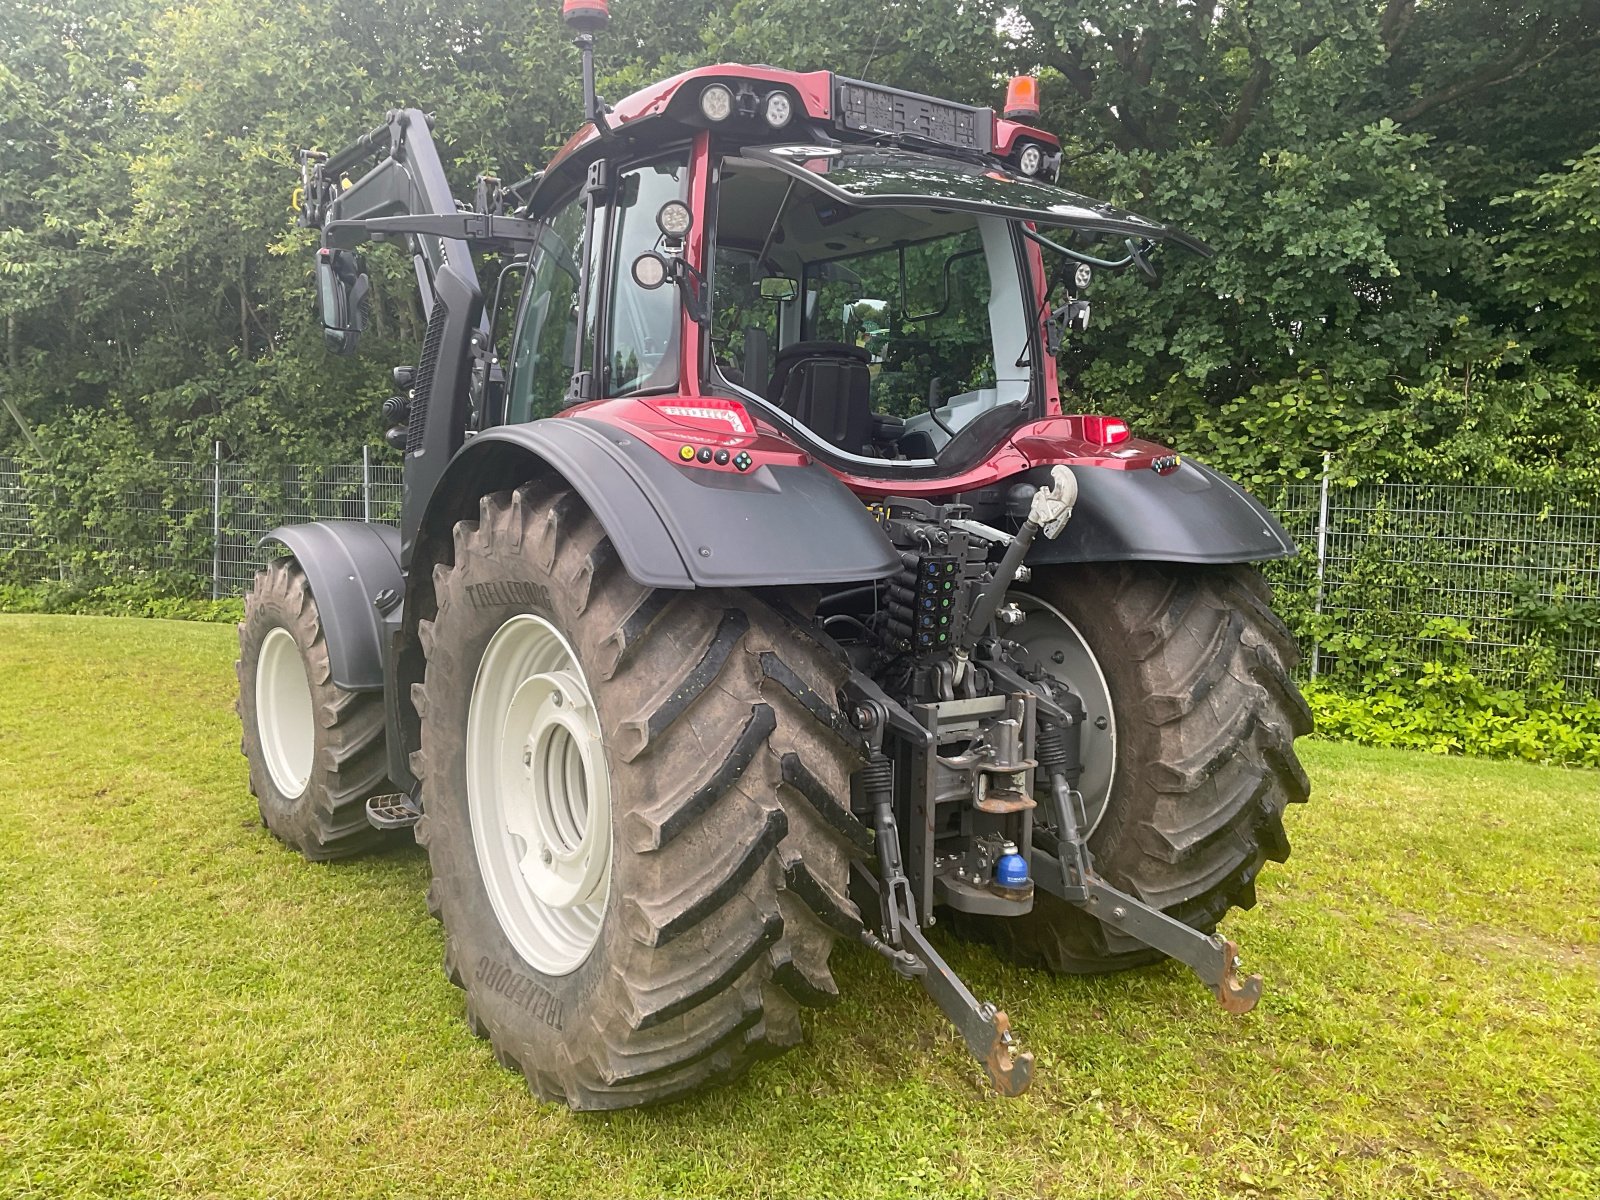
column 881, row 278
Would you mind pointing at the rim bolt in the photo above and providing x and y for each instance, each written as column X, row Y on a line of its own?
column 545, row 856
column 1058, row 657
column 555, row 699
column 527, row 757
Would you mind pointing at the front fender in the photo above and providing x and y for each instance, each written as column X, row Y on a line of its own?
column 1192, row 515
column 349, row 565
column 676, row 526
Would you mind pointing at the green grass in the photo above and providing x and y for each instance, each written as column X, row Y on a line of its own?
column 187, row 1009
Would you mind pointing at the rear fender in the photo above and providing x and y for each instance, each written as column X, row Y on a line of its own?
column 672, row 526
column 676, row 526
column 1191, row 515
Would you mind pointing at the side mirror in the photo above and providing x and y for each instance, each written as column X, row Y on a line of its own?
column 1141, row 259
column 342, row 290
column 779, row 287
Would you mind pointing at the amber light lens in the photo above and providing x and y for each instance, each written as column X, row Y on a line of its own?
column 1022, row 98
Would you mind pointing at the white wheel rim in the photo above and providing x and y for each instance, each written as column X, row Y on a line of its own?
column 539, row 794
column 1055, row 645
column 284, row 716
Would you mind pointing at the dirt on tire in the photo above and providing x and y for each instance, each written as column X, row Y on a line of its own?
column 327, row 820
column 1198, row 667
column 731, row 831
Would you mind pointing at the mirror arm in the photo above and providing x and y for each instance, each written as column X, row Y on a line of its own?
column 1108, row 264
column 692, row 288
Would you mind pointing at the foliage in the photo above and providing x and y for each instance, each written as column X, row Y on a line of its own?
column 1441, row 706
column 162, row 597
column 1402, row 197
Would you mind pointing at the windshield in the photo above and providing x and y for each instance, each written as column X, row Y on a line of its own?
column 883, row 330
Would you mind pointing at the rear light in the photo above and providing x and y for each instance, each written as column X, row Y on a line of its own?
column 1106, row 431
column 777, row 110
column 716, row 103
column 1022, row 98
column 709, row 414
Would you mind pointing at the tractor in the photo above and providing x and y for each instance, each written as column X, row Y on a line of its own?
column 754, row 589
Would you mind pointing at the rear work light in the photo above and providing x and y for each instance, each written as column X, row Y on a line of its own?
column 716, row 102
column 709, row 414
column 1106, row 431
column 1022, row 98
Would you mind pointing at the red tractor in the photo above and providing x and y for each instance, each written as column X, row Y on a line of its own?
column 753, row 590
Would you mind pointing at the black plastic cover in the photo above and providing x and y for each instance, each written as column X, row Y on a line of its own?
column 348, row 564
column 678, row 526
column 1193, row 515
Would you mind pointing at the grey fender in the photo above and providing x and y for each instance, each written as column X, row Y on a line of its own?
column 349, row 565
column 1193, row 515
column 676, row 525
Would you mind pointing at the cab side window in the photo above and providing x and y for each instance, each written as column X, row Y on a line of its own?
column 542, row 360
column 642, row 354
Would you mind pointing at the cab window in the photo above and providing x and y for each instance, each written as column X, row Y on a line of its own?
column 642, row 346
column 542, row 360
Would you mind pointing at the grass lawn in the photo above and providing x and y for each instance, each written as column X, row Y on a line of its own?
column 186, row 1008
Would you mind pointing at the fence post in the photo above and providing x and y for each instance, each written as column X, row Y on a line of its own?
column 216, row 520
column 366, row 483
column 1322, row 557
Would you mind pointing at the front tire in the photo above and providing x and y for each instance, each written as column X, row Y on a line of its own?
column 316, row 752
column 1198, row 747
column 638, row 902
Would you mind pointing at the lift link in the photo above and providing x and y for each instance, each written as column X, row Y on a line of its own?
column 985, row 1029
column 1214, row 959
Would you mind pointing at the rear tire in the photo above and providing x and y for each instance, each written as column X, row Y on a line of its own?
column 316, row 752
column 729, row 828
column 1205, row 715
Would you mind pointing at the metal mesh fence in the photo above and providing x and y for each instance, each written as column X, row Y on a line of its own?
column 1505, row 581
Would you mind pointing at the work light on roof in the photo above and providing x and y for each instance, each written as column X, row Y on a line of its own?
column 777, row 110
column 1031, row 160
column 716, row 102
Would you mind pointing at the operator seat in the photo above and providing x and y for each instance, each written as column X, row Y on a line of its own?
column 827, row 388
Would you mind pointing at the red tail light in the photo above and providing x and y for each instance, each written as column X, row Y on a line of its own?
column 1107, row 431
column 708, row 414
column 1022, row 98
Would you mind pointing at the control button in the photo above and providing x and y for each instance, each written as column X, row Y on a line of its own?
column 705, row 454
column 686, row 453
column 742, row 461
column 722, row 458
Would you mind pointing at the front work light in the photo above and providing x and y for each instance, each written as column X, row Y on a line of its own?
column 1022, row 98
column 650, row 271
column 1031, row 160
column 716, row 102
column 674, row 219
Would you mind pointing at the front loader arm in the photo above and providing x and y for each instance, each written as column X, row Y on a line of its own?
column 408, row 180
